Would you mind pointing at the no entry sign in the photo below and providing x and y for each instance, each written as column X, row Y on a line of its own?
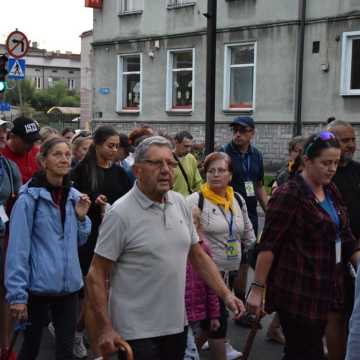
column 17, row 44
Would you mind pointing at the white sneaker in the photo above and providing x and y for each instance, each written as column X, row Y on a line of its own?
column 51, row 329
column 205, row 346
column 80, row 350
column 231, row 353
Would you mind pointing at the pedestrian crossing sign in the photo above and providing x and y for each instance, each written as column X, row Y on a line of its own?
column 16, row 68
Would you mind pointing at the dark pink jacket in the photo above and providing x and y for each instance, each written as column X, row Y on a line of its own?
column 201, row 301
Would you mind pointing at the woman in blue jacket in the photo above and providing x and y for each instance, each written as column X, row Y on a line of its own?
column 48, row 224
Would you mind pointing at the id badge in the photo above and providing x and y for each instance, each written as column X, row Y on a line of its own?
column 232, row 249
column 338, row 251
column 249, row 188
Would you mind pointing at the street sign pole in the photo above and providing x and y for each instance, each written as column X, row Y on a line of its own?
column 210, row 77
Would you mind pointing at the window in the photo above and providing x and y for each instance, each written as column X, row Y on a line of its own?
column 239, row 77
column 131, row 6
column 71, row 84
column 50, row 82
column 180, row 80
column 37, row 82
column 129, row 83
column 180, row 3
column 350, row 64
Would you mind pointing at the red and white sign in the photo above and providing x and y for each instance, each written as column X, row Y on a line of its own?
column 17, row 44
column 95, row 4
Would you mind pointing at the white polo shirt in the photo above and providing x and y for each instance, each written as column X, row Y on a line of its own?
column 149, row 245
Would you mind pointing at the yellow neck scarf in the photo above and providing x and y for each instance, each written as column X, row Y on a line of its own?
column 227, row 202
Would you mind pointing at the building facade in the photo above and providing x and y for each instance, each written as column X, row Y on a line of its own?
column 150, row 66
column 86, row 83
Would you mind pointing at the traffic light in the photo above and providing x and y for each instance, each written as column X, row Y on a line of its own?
column 3, row 73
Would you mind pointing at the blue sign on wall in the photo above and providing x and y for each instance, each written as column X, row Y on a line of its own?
column 104, row 91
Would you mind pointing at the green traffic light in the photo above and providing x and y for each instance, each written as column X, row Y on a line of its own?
column 3, row 86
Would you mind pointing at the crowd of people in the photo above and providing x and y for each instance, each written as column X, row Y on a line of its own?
column 130, row 244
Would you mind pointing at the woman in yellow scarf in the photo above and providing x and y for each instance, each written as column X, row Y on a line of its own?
column 226, row 225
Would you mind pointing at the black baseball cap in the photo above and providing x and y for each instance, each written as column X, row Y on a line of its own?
column 26, row 128
column 243, row 121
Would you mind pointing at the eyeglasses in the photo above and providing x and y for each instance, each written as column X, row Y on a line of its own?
column 220, row 171
column 322, row 136
column 158, row 164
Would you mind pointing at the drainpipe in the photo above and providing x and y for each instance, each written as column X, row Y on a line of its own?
column 300, row 69
column 210, row 76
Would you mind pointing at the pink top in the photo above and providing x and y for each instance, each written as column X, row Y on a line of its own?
column 201, row 301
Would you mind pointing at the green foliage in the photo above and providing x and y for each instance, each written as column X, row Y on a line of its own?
column 44, row 99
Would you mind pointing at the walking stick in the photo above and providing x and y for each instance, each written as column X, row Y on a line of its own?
column 250, row 338
column 126, row 348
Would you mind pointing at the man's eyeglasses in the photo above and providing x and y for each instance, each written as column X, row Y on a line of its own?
column 322, row 136
column 158, row 164
column 220, row 171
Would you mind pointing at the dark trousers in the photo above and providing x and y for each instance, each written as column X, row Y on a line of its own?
column 303, row 338
column 170, row 347
column 63, row 311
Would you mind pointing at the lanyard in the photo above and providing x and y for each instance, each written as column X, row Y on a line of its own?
column 230, row 221
column 246, row 164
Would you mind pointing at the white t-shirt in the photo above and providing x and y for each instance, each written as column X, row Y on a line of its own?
column 149, row 246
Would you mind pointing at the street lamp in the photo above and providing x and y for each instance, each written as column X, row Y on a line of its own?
column 210, row 76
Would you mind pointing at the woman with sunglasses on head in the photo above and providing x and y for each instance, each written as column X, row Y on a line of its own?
column 80, row 145
column 226, row 225
column 48, row 223
column 104, row 182
column 305, row 249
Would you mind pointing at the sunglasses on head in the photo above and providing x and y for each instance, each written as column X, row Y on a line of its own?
column 322, row 136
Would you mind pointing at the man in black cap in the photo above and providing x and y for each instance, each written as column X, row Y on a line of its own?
column 20, row 146
column 247, row 180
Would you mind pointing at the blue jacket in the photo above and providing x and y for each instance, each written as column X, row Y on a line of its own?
column 42, row 256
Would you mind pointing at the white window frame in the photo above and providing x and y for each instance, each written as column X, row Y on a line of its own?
column 129, row 7
column 346, row 63
column 71, row 84
column 169, row 80
column 228, row 66
column 37, row 82
column 120, row 77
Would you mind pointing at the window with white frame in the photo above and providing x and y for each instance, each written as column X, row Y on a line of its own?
column 129, row 83
column 180, row 80
column 127, row 6
column 350, row 64
column 37, row 82
column 71, row 84
column 180, row 2
column 239, row 76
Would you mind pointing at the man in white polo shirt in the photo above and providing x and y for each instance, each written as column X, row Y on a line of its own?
column 143, row 246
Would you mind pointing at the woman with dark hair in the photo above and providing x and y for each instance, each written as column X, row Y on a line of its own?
column 48, row 223
column 305, row 249
column 68, row 134
column 104, row 182
column 226, row 225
